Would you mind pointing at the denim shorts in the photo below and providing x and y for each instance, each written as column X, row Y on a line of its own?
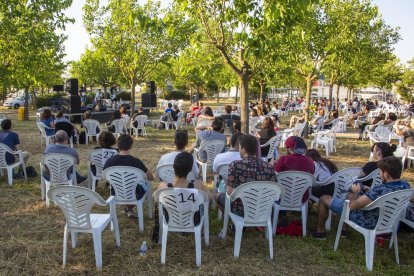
column 337, row 205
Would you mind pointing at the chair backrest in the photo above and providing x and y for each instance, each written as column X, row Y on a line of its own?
column 76, row 204
column 99, row 158
column 295, row 184
column 382, row 133
column 119, row 125
column 4, row 149
column 124, row 180
column 223, row 170
column 166, row 173
column 180, row 115
column 141, row 121
column 59, row 166
column 258, row 198
column 171, row 198
column 298, row 129
column 375, row 176
column 343, row 180
column 42, row 127
column 390, row 207
column 274, row 144
column 212, row 148
column 66, row 127
column 91, row 126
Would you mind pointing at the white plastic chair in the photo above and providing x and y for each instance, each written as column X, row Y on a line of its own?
column 324, row 138
column 390, row 207
column 374, row 176
column 141, row 119
column 179, row 122
column 90, row 127
column 42, row 128
column 120, row 126
column 166, row 174
column 257, row 198
column 62, row 171
column 181, row 217
column 167, row 123
column 4, row 149
column 98, row 157
column 223, row 171
column 380, row 134
column 76, row 204
column 274, row 144
column 343, row 180
column 212, row 148
column 294, row 184
column 409, row 154
column 124, row 180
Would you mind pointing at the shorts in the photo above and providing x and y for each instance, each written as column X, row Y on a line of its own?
column 337, row 205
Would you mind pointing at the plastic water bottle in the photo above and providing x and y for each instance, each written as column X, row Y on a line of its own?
column 143, row 249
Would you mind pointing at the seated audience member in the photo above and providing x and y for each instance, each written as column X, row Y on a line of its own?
column 379, row 151
column 11, row 139
column 124, row 113
column 266, row 132
column 333, row 115
column 234, row 109
column 180, row 142
column 246, row 170
column 231, row 155
column 106, row 140
column 209, row 135
column 260, row 112
column 229, row 117
column 136, row 114
column 370, row 125
column 295, row 160
column 276, row 122
column 275, row 107
column 194, row 110
column 47, row 120
column 390, row 171
column 115, row 116
column 410, row 210
column 62, row 147
column 124, row 158
column 169, row 108
column 363, row 113
column 324, row 168
column 61, row 119
column 237, row 126
column 205, row 119
column 174, row 113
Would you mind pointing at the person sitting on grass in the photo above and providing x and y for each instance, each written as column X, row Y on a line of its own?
column 390, row 171
column 180, row 142
column 11, row 139
column 125, row 158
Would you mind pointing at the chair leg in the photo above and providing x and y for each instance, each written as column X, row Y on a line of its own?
column 149, row 200
column 10, row 176
column 270, row 238
column 65, row 244
column 74, row 238
column 47, row 184
column 140, row 213
column 304, row 218
column 328, row 222
column 369, row 250
column 237, row 239
column 206, row 226
column 275, row 218
column 115, row 227
column 97, row 245
column 197, row 234
column 164, row 243
column 397, row 257
column 338, row 234
column 204, row 168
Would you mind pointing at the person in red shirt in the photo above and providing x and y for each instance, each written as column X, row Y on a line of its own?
column 295, row 160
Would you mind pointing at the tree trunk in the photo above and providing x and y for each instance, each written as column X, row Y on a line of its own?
column 133, row 83
column 104, row 87
column 306, row 111
column 330, row 96
column 26, row 103
column 35, row 99
column 237, row 92
column 244, row 100
column 261, row 91
column 337, row 96
column 218, row 94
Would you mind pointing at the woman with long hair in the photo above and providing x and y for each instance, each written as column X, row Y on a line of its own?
column 266, row 132
column 47, row 120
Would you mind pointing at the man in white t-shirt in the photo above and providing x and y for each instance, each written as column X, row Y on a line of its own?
column 230, row 155
column 180, row 142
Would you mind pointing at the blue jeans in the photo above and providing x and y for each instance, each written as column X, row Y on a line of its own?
column 337, row 205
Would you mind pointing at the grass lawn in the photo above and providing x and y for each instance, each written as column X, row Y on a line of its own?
column 31, row 235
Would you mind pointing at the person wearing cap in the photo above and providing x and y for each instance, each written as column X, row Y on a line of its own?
column 295, row 160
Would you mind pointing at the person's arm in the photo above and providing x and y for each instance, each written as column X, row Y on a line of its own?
column 162, row 185
column 360, row 202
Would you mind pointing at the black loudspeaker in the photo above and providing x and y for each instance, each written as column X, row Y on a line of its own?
column 58, row 88
column 151, row 88
column 153, row 99
column 75, row 107
column 146, row 100
column 72, row 86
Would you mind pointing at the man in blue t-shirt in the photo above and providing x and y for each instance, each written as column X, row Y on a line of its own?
column 390, row 170
column 11, row 139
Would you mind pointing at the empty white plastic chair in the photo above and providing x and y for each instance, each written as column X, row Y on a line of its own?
column 4, row 149
column 141, row 119
column 42, row 128
column 211, row 148
column 92, row 129
column 62, row 171
column 76, row 204
column 98, row 158
column 343, row 180
column 324, row 138
column 124, row 180
column 390, row 207
column 273, row 144
column 181, row 206
column 294, row 184
column 257, row 198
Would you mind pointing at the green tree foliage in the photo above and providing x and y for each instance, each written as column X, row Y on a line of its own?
column 405, row 87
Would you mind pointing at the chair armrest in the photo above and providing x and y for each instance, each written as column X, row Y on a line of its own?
column 110, row 200
column 346, row 210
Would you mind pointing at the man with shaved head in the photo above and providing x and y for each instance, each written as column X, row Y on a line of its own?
column 62, row 146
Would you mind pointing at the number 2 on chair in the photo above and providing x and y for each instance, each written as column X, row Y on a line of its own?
column 190, row 197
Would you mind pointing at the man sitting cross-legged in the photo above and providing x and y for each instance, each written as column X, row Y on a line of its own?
column 180, row 142
column 124, row 158
column 390, row 170
column 246, row 170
